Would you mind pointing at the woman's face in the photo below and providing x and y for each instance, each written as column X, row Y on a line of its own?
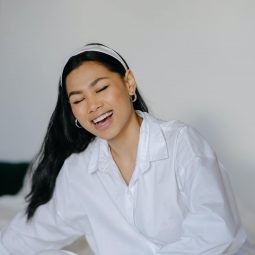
column 100, row 99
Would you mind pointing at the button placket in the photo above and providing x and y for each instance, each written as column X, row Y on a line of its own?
column 130, row 204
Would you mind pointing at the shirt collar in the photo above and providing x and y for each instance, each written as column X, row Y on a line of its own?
column 151, row 147
column 98, row 155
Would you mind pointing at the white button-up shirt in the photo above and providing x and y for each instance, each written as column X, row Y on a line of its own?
column 178, row 201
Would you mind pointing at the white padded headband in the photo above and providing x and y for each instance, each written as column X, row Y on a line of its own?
column 98, row 48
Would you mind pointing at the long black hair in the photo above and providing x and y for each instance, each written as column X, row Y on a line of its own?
column 62, row 137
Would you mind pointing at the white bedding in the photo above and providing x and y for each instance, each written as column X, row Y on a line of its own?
column 10, row 205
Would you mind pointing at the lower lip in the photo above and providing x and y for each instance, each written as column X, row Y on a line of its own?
column 105, row 124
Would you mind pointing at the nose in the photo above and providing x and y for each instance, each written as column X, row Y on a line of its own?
column 94, row 104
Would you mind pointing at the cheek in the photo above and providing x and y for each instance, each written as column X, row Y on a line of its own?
column 77, row 111
column 119, row 96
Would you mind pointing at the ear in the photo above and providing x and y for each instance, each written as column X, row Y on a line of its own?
column 130, row 82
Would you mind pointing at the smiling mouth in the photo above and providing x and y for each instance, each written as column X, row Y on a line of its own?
column 102, row 118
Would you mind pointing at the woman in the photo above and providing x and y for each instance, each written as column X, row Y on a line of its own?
column 130, row 183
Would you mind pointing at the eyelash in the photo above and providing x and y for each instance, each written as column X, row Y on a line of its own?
column 78, row 101
column 103, row 88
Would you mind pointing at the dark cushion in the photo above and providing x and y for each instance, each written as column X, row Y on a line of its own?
column 12, row 176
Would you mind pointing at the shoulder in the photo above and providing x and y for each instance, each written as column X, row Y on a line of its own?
column 191, row 142
column 169, row 128
column 172, row 130
column 81, row 162
column 186, row 139
column 74, row 175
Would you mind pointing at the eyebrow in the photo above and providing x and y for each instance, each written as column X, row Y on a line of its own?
column 92, row 84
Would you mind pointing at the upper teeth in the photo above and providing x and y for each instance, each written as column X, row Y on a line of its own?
column 101, row 117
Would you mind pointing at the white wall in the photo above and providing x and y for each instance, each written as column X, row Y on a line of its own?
column 193, row 60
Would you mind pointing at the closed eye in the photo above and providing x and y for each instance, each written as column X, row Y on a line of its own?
column 78, row 101
column 103, row 88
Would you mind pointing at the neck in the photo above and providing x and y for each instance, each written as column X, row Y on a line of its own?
column 125, row 147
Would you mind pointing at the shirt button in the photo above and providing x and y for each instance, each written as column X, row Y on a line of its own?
column 132, row 189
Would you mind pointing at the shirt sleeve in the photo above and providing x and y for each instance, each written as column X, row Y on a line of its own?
column 211, row 222
column 48, row 229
